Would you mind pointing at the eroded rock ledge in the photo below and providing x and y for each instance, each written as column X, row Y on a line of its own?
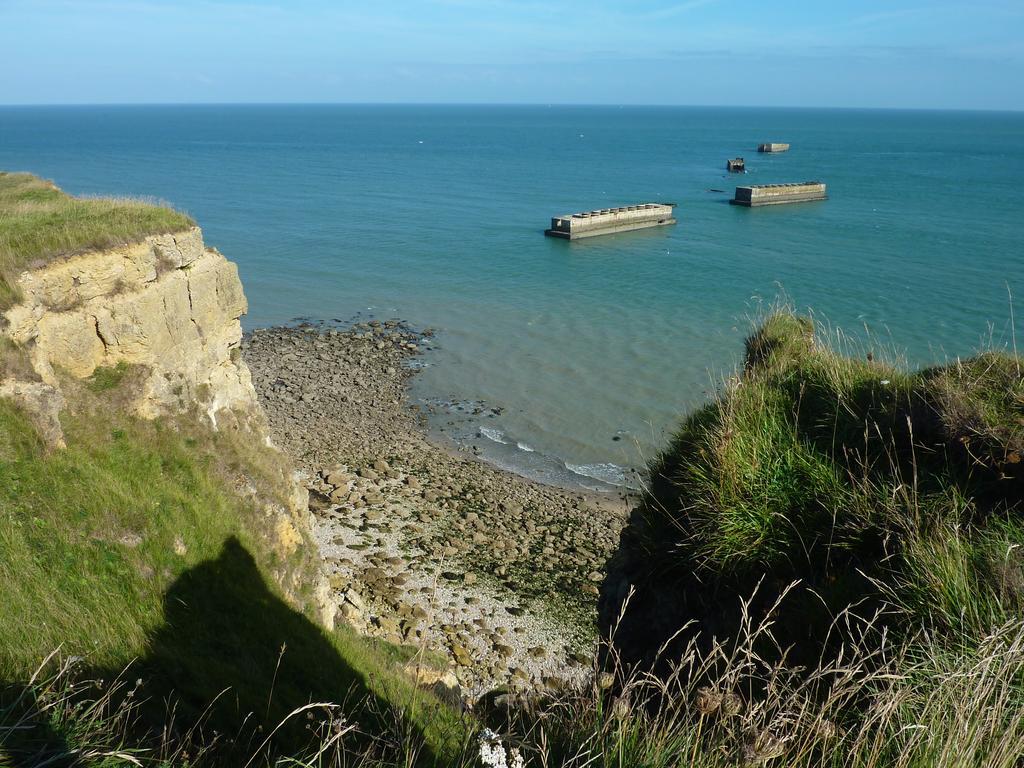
column 167, row 303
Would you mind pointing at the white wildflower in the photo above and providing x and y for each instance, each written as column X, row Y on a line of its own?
column 493, row 754
column 885, row 382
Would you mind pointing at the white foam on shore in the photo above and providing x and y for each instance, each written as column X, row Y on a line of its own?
column 524, row 447
column 607, row 472
column 495, row 435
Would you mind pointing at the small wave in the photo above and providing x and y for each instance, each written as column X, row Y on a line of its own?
column 606, row 473
column 494, row 434
column 524, row 447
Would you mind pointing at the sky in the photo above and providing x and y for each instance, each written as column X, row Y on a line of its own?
column 838, row 53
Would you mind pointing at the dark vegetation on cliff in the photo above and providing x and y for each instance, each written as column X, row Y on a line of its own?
column 875, row 488
column 836, row 541
column 39, row 222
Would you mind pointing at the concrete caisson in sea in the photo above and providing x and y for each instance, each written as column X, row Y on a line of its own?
column 757, row 195
column 607, row 221
column 736, row 165
column 773, row 147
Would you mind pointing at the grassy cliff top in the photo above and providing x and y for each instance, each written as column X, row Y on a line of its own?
column 39, row 222
column 871, row 485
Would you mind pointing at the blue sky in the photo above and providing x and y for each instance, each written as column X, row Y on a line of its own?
column 732, row 52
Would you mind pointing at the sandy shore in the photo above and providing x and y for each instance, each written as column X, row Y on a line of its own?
column 424, row 545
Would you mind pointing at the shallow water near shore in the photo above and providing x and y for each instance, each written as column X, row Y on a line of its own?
column 573, row 360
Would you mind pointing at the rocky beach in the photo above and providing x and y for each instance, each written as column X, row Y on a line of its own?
column 424, row 546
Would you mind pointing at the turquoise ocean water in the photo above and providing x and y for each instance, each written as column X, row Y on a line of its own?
column 434, row 214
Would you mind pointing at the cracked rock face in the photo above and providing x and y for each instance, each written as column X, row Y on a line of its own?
column 167, row 303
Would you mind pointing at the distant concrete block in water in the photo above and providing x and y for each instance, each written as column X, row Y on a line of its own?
column 773, row 147
column 757, row 195
column 607, row 221
column 736, row 165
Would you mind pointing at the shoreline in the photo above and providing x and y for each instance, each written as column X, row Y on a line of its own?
column 459, row 426
column 616, row 499
column 425, row 544
column 549, row 470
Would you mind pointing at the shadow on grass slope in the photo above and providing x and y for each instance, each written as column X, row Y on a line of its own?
column 227, row 671
column 129, row 555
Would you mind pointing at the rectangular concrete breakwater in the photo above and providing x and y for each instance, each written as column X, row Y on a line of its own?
column 777, row 194
column 607, row 221
column 773, row 147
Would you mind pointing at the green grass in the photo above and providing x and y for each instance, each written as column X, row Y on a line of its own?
column 39, row 222
column 108, row 377
column 898, row 491
column 911, row 705
column 846, row 537
column 133, row 549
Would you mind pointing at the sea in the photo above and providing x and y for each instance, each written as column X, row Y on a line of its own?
column 573, row 362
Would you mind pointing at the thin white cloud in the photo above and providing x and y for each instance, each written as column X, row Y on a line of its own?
column 678, row 9
column 870, row 19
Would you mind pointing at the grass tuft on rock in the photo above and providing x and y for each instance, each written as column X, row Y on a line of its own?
column 39, row 222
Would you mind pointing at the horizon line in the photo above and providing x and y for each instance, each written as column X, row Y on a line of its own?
column 29, row 105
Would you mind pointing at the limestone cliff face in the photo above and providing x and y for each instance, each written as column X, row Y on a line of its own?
column 171, row 307
column 167, row 303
